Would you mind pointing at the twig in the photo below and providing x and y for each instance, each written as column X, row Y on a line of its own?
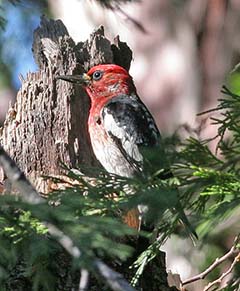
column 17, row 177
column 30, row 195
column 219, row 280
column 131, row 19
column 64, row 240
column 115, row 280
column 83, row 283
column 216, row 263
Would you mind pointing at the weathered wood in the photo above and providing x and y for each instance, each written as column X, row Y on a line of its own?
column 48, row 121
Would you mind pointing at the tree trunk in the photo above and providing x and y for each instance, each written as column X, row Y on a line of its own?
column 48, row 123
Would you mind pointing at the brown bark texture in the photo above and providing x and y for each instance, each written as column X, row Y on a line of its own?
column 48, row 122
column 47, row 125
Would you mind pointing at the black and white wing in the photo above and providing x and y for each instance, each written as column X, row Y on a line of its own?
column 131, row 126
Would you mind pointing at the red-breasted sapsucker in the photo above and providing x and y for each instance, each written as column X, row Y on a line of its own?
column 119, row 123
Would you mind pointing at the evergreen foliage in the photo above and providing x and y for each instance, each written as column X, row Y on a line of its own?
column 90, row 210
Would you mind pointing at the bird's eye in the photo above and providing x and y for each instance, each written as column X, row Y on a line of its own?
column 97, row 75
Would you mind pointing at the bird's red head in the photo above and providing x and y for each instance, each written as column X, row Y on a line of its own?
column 104, row 81
column 107, row 81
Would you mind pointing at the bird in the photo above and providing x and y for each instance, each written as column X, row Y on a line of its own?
column 119, row 124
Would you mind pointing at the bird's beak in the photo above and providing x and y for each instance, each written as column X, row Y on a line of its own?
column 83, row 79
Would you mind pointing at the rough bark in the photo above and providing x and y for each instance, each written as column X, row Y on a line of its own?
column 48, row 122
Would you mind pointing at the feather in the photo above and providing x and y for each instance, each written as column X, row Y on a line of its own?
column 130, row 125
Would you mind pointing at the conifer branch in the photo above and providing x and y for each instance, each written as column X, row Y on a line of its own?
column 18, row 179
column 30, row 195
